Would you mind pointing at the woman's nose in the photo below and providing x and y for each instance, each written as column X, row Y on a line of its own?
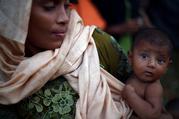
column 62, row 16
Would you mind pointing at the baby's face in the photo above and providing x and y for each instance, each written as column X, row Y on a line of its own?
column 48, row 24
column 149, row 62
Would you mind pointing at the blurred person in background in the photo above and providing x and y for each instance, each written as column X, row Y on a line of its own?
column 123, row 19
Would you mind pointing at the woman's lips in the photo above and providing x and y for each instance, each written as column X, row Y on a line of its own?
column 59, row 34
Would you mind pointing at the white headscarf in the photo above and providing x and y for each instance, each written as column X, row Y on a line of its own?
column 14, row 19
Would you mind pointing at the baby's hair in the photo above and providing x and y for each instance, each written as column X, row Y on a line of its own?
column 153, row 36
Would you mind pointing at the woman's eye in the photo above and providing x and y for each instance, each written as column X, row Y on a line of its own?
column 67, row 5
column 49, row 6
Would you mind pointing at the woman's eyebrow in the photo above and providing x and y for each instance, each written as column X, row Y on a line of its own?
column 55, row 1
column 42, row 1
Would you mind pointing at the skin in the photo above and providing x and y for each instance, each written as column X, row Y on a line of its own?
column 143, row 91
column 47, row 26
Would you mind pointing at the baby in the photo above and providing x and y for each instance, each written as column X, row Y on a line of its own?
column 149, row 57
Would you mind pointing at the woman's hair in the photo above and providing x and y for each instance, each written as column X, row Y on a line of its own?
column 153, row 36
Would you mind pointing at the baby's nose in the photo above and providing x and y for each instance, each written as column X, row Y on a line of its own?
column 152, row 63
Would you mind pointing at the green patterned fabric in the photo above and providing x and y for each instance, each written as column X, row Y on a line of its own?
column 57, row 100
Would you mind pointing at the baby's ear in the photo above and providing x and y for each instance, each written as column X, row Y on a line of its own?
column 170, row 61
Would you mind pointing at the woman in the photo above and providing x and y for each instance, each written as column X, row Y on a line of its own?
column 57, row 73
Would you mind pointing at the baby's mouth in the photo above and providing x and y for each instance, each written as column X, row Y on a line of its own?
column 148, row 73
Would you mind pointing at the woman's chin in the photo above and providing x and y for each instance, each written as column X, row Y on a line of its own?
column 54, row 46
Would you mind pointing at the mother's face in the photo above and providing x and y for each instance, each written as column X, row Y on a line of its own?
column 48, row 24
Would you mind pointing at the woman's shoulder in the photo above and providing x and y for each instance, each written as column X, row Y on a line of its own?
column 111, row 55
column 104, row 39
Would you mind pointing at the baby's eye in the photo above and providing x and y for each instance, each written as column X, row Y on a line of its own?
column 160, row 61
column 144, row 56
